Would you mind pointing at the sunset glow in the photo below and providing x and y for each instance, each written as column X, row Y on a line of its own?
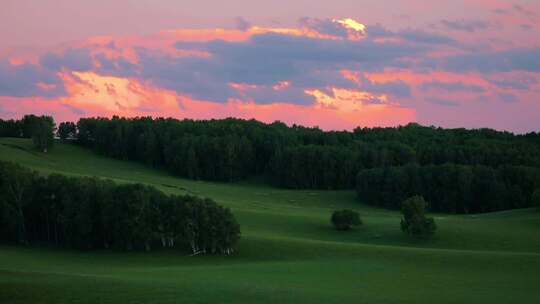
column 352, row 24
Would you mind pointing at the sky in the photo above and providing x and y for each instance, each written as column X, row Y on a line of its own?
column 337, row 64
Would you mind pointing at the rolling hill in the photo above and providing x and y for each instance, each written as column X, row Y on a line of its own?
column 288, row 253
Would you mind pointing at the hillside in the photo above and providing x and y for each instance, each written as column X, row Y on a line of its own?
column 288, row 251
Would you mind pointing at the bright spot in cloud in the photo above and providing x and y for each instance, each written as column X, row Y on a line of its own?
column 348, row 100
column 352, row 24
column 113, row 94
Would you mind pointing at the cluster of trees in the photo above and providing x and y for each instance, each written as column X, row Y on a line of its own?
column 67, row 130
column 40, row 128
column 451, row 188
column 85, row 213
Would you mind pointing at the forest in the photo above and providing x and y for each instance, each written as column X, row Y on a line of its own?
column 451, row 188
column 91, row 213
column 375, row 161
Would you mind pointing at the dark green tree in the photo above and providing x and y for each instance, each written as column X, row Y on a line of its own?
column 345, row 219
column 29, row 124
column 414, row 221
column 43, row 133
column 67, row 130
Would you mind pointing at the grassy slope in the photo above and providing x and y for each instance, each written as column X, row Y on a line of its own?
column 288, row 252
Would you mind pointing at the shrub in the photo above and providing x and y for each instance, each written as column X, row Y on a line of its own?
column 345, row 219
column 414, row 221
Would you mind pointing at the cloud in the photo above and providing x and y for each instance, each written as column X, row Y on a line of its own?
column 241, row 24
column 457, row 86
column 443, row 102
column 340, row 109
column 262, row 59
column 346, row 28
column 324, row 26
column 507, row 97
column 520, row 9
column 74, row 109
column 271, row 94
column 501, row 11
column 465, row 25
column 28, row 80
column 266, row 59
column 278, row 52
column 292, row 74
column 410, row 35
column 515, row 9
column 526, row 27
column 516, row 82
column 396, row 88
column 73, row 59
column 317, row 78
column 117, row 66
column 521, row 59
column 426, row 37
column 379, row 31
column 198, row 77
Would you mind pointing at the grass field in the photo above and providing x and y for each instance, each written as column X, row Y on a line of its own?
column 288, row 252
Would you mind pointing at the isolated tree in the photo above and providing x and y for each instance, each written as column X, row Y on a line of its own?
column 43, row 134
column 536, row 198
column 414, row 221
column 345, row 219
column 67, row 130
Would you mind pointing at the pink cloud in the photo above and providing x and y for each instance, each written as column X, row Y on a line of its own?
column 399, row 82
column 90, row 94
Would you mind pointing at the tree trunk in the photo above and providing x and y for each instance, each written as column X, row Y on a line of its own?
column 48, row 228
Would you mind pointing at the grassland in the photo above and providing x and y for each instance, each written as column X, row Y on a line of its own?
column 288, row 252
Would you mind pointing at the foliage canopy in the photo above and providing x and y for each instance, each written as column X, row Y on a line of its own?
column 414, row 221
column 345, row 219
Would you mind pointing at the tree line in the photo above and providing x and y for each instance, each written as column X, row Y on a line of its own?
column 40, row 129
column 296, row 157
column 91, row 213
column 299, row 157
column 451, row 188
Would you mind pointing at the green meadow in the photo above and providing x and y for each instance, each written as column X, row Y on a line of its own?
column 288, row 253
